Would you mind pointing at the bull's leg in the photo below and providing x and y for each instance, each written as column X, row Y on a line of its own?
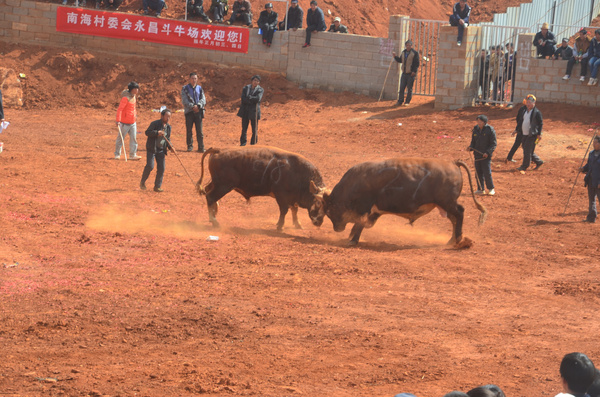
column 456, row 216
column 212, row 201
column 283, row 209
column 355, row 234
column 294, row 209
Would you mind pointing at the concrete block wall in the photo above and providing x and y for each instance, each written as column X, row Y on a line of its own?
column 339, row 62
column 455, row 86
column 543, row 78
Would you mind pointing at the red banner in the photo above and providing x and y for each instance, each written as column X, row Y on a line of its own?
column 143, row 28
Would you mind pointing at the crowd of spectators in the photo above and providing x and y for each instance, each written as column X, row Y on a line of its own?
column 579, row 378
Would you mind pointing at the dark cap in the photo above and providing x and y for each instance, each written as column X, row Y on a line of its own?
column 483, row 118
column 565, row 40
column 269, row 5
column 583, row 31
column 408, row 42
column 257, row 77
column 313, row 2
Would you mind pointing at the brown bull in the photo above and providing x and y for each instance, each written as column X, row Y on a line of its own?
column 264, row 171
column 409, row 188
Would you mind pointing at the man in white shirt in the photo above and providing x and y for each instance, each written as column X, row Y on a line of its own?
column 530, row 123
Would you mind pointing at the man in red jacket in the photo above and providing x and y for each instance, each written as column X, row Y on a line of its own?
column 126, row 121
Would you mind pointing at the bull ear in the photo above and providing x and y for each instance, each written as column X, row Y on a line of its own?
column 313, row 188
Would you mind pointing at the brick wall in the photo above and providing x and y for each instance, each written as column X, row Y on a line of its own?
column 334, row 61
column 543, row 78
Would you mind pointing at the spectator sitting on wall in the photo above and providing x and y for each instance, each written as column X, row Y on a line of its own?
column 155, row 5
column 114, row 4
column 294, row 17
column 242, row 11
column 564, row 51
column 219, row 9
column 594, row 57
column 580, row 54
column 196, row 8
column 460, row 18
column 337, row 27
column 315, row 22
column 267, row 22
column 545, row 42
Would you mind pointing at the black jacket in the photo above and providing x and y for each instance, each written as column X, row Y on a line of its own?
column 316, row 18
column 414, row 66
column 565, row 53
column 295, row 16
column 483, row 141
column 268, row 18
column 549, row 39
column 154, row 144
column 536, row 121
column 250, row 107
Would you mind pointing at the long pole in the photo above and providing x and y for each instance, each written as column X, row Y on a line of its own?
column 578, row 172
column 385, row 80
column 176, row 155
column 122, row 140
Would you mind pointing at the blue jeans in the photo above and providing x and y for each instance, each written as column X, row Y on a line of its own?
column 594, row 64
column 461, row 28
column 483, row 169
column 593, row 192
column 160, row 168
column 130, row 129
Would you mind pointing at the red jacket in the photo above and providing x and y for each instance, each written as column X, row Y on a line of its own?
column 126, row 110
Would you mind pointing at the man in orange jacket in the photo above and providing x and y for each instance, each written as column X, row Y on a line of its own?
column 126, row 121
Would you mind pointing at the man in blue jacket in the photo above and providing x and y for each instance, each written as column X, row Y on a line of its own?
column 592, row 179
column 594, row 57
column 194, row 102
column 294, row 17
column 315, row 22
column 530, row 123
column 460, row 17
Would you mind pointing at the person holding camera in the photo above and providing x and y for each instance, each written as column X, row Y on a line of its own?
column 192, row 97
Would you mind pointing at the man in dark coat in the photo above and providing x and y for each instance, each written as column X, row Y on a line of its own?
column 564, row 51
column 484, row 75
column 545, row 42
column 241, row 12
column 337, row 27
column 460, row 17
column 530, row 123
column 159, row 135
column 196, row 8
column 409, row 60
column 483, row 144
column 219, row 9
column 294, row 17
column 267, row 22
column 592, row 180
column 315, row 22
column 250, row 109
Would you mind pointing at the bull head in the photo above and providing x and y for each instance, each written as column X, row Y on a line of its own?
column 317, row 208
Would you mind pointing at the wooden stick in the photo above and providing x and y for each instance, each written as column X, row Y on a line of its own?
column 579, row 172
column 122, row 140
column 385, row 80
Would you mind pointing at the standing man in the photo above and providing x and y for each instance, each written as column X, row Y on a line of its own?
column 460, row 17
column 530, row 123
column 192, row 97
column 250, row 109
column 483, row 143
column 409, row 60
column 1, row 108
column 592, row 180
column 126, row 117
column 241, row 11
column 267, row 22
column 159, row 135
column 580, row 54
column 545, row 42
column 484, row 76
column 315, row 22
column 294, row 17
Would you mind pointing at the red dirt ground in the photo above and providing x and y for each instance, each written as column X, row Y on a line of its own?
column 109, row 290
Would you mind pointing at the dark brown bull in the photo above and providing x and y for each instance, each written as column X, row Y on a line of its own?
column 409, row 188
column 264, row 171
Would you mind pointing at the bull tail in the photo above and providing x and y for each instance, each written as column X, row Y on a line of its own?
column 480, row 207
column 199, row 187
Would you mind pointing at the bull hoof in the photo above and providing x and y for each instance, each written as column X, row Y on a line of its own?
column 279, row 228
column 215, row 224
column 352, row 243
column 464, row 244
column 298, row 226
